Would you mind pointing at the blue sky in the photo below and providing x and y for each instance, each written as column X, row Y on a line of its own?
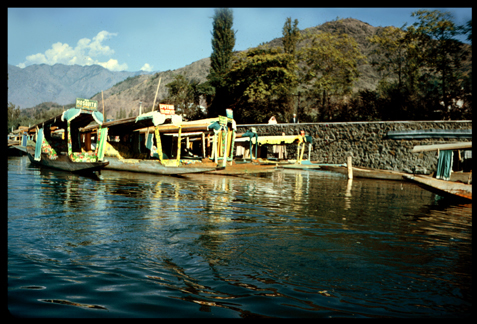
column 160, row 39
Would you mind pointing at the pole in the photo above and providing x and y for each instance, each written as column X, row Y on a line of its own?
column 102, row 100
column 350, row 168
column 158, row 84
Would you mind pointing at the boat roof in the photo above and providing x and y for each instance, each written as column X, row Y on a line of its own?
column 76, row 117
column 272, row 139
column 130, row 124
column 200, row 125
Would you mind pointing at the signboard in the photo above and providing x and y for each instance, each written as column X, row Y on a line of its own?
column 86, row 104
column 222, row 120
column 166, row 109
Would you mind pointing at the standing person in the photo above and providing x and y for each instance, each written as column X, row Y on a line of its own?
column 294, row 119
column 273, row 120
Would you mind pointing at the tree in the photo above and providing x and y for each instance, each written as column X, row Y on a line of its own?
column 258, row 81
column 394, row 54
column 185, row 95
column 331, row 66
column 13, row 116
column 291, row 38
column 223, row 42
column 436, row 33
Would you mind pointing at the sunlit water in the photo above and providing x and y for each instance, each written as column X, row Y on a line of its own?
column 285, row 244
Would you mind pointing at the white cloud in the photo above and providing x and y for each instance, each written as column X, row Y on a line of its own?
column 85, row 53
column 146, row 67
column 113, row 65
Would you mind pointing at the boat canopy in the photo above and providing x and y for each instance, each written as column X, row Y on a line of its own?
column 128, row 125
column 78, row 117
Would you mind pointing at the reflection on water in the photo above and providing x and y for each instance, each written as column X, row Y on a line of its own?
column 285, row 244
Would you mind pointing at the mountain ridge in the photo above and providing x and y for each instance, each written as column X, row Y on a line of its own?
column 59, row 83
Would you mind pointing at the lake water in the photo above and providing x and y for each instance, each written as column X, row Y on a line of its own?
column 285, row 244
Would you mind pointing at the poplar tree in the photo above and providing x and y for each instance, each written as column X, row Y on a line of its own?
column 223, row 42
column 291, row 37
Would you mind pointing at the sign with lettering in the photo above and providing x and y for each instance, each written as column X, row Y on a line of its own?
column 86, row 104
column 166, row 109
column 222, row 120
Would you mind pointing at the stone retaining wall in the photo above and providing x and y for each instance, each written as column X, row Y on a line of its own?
column 366, row 142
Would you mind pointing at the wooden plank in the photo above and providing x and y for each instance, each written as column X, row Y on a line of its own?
column 442, row 186
column 442, row 147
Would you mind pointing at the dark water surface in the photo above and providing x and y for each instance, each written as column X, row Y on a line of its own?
column 285, row 244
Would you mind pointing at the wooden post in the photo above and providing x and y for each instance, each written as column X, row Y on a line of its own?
column 179, row 138
column 158, row 84
column 302, row 151
column 224, row 162
column 203, row 146
column 102, row 100
column 87, row 142
column 350, row 168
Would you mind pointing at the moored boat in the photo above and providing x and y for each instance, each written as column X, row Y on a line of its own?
column 360, row 172
column 135, row 145
column 57, row 140
column 443, row 183
column 207, row 143
column 442, row 187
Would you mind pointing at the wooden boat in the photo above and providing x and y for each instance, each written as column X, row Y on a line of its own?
column 206, row 143
column 304, row 165
column 360, row 172
column 58, row 145
column 17, row 142
column 131, row 141
column 442, row 187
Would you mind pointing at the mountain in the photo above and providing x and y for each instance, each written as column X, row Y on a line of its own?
column 59, row 83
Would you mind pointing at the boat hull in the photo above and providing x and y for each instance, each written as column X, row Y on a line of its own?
column 64, row 163
column 245, row 168
column 154, row 166
column 442, row 187
column 367, row 173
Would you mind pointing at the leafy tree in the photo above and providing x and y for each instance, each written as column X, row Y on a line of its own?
column 185, row 96
column 223, row 42
column 437, row 33
column 258, row 81
column 397, row 56
column 331, row 66
column 13, row 115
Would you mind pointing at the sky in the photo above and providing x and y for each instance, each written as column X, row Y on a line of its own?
column 161, row 39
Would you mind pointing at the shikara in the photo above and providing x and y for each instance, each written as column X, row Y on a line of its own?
column 58, row 145
column 131, row 145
